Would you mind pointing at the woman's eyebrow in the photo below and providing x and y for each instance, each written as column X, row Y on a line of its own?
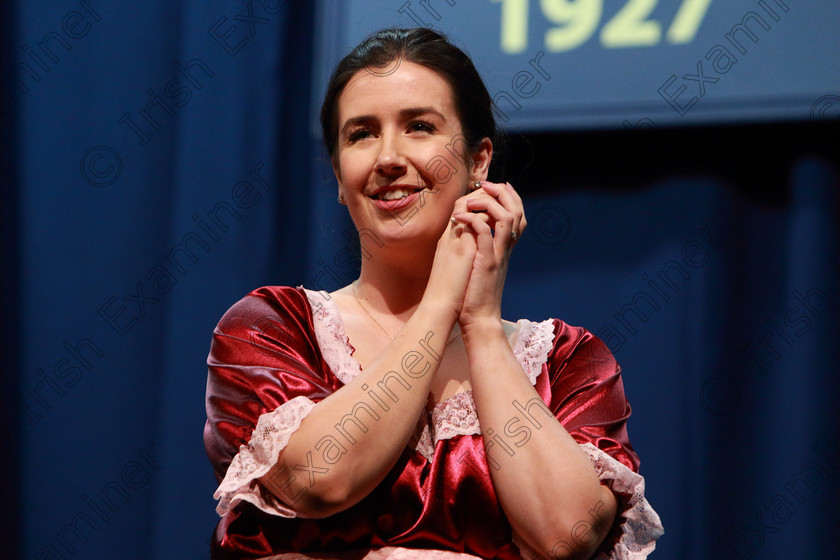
column 355, row 121
column 405, row 114
column 419, row 111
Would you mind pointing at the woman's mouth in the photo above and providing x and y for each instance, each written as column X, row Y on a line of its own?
column 394, row 194
column 395, row 199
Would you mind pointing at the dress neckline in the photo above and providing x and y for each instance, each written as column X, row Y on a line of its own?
column 451, row 417
column 531, row 341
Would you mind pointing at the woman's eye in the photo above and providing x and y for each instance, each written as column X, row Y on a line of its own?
column 358, row 135
column 422, row 126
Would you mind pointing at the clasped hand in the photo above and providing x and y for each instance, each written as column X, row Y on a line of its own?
column 474, row 251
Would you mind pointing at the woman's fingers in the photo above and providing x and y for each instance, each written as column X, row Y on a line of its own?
column 502, row 207
column 479, row 224
column 509, row 199
column 499, row 220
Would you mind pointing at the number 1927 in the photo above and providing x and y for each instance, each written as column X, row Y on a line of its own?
column 575, row 21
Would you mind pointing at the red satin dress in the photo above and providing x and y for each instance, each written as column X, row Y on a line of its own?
column 279, row 351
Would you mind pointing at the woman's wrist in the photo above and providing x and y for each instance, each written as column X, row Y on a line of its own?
column 482, row 330
column 435, row 315
column 433, row 305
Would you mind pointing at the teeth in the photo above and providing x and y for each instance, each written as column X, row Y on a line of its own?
column 395, row 194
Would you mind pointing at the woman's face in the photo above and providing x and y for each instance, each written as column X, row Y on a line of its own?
column 401, row 159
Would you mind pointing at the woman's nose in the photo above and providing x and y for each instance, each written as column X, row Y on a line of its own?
column 391, row 159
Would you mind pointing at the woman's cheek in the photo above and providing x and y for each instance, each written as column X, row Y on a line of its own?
column 355, row 169
column 441, row 169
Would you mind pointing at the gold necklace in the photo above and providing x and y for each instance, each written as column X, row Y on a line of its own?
column 378, row 324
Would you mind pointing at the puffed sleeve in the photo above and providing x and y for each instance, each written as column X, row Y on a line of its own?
column 265, row 373
column 584, row 390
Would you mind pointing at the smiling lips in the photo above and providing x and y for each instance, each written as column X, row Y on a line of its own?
column 394, row 194
column 395, row 198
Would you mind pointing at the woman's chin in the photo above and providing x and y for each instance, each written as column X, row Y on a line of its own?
column 411, row 233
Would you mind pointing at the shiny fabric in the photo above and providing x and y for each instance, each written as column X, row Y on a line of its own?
column 264, row 353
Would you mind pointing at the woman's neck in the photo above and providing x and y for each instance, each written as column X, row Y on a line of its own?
column 391, row 288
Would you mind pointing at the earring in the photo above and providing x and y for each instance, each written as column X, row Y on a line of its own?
column 477, row 185
column 340, row 199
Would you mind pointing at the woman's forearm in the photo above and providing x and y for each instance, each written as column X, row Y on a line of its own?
column 545, row 482
column 351, row 439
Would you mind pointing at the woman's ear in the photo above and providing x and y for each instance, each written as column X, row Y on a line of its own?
column 337, row 172
column 481, row 158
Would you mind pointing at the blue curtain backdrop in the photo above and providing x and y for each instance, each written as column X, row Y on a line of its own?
column 158, row 163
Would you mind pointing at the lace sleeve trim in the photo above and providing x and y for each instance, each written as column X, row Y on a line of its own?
column 640, row 525
column 256, row 458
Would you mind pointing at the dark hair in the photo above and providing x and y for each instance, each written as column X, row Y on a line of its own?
column 381, row 53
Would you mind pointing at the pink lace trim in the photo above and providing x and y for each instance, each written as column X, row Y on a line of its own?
column 456, row 416
column 255, row 460
column 533, row 345
column 640, row 526
column 333, row 341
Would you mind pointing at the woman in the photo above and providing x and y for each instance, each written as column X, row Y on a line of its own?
column 400, row 416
